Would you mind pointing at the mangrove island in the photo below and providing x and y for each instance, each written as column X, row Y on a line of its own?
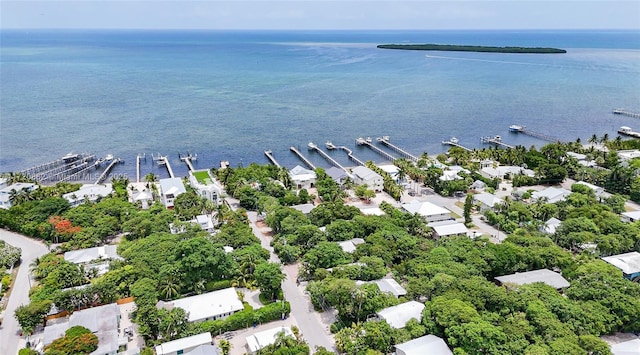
column 466, row 48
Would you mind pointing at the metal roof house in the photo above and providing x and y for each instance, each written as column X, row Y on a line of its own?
column 5, row 193
column 260, row 340
column 398, row 316
column 349, row 246
column 88, row 192
column 545, row 276
column 487, row 201
column 186, row 345
column 551, row 194
column 630, row 216
column 302, row 178
column 428, row 344
column 363, row 175
column 431, row 212
column 629, row 263
column 170, row 189
column 208, row 306
column 448, row 228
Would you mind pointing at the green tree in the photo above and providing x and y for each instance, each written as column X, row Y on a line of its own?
column 269, row 277
column 31, row 315
column 468, row 204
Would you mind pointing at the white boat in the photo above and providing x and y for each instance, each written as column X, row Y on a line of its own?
column 108, row 158
column 454, row 140
column 516, row 128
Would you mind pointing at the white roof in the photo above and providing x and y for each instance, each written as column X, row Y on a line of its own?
column 390, row 169
column 428, row 344
column 85, row 255
column 449, row 229
column 304, row 208
column 591, row 186
column 390, row 286
column 551, row 193
column 548, row 277
column 349, row 246
column 184, row 343
column 398, row 316
column 551, row 225
column 488, row 199
column 631, row 347
column 90, row 191
column 371, row 211
column 143, row 195
column 300, row 173
column 265, row 338
column 577, row 155
column 207, row 305
column 18, row 186
column 206, row 349
column 172, row 186
column 365, row 173
column 425, row 208
column 635, row 215
column 629, row 263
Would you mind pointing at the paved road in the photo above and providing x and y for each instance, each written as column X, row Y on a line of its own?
column 10, row 338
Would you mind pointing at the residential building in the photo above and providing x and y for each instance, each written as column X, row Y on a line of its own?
column 448, row 228
column 170, row 189
column 7, row 192
column 261, row 340
column 430, row 211
column 205, row 187
column 371, row 211
column 390, row 286
column 478, row 185
column 551, row 194
column 144, row 197
column 398, row 316
column 96, row 258
column 365, row 176
column 392, row 170
column 630, row 347
column 629, row 263
column 428, row 344
column 551, row 225
column 548, row 277
column 302, row 178
column 596, row 189
column 186, row 345
column 501, row 172
column 626, row 155
column 630, row 217
column 208, row 306
column 88, row 192
column 338, row 175
column 305, row 208
column 349, row 246
column 486, row 201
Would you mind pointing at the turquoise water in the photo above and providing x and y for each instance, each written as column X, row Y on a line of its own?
column 232, row 95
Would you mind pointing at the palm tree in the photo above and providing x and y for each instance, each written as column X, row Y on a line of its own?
column 151, row 177
column 169, row 288
column 225, row 346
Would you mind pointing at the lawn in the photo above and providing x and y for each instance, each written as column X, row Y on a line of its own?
column 202, row 177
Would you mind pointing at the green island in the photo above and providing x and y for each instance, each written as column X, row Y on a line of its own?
column 466, row 48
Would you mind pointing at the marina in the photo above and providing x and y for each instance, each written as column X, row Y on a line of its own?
column 302, row 157
column 624, row 112
column 385, row 140
column 497, row 140
column 627, row 131
column 522, row 129
column 326, row 156
column 368, row 143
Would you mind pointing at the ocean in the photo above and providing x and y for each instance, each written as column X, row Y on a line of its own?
column 231, row 95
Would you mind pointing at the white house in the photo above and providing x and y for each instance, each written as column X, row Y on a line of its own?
column 392, row 170
column 302, row 178
column 487, row 201
column 630, row 216
column 144, row 197
column 349, row 246
column 363, row 175
column 628, row 263
column 398, row 316
column 88, row 192
column 501, row 171
column 546, row 276
column 170, row 189
column 261, row 340
column 6, row 192
column 390, row 286
column 626, row 155
column 207, row 188
column 96, row 258
column 448, row 228
column 208, row 306
column 305, row 208
column 186, row 345
column 371, row 211
column 431, row 212
column 630, row 347
column 551, row 225
column 428, row 344
column 551, row 194
column 596, row 189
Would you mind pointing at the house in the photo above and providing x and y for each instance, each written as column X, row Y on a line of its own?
column 208, row 306
column 596, row 189
column 551, row 194
column 448, row 228
column 630, row 217
column 144, row 197
column 88, row 192
column 501, row 172
column 261, row 340
column 428, row 344
column 186, row 345
column 205, row 186
column 7, row 192
column 487, row 201
column 302, row 178
column 205, row 222
column 548, row 277
column 629, row 263
column 96, row 258
column 371, row 211
column 349, row 246
column 365, row 176
column 398, row 316
column 390, row 286
column 103, row 321
column 478, row 185
column 630, row 347
column 626, row 155
column 170, row 189
column 305, row 208
column 551, row 225
column 392, row 170
column 338, row 175
column 430, row 211
column 449, row 175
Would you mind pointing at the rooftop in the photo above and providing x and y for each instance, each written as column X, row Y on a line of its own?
column 304, row 208
column 349, row 246
column 551, row 193
column 635, row 215
column 265, row 338
column 207, row 305
column 488, row 199
column 184, row 343
column 371, row 211
column 365, row 173
column 629, row 263
column 390, row 286
column 88, row 191
column 428, row 344
column 548, row 277
column 449, row 229
column 302, row 173
column 631, row 347
column 424, row 208
column 398, row 316
column 172, row 186
column 83, row 256
column 336, row 173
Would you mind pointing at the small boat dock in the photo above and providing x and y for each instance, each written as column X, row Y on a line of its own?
column 105, row 173
column 164, row 160
column 367, row 142
column 326, row 156
column 627, row 131
column 188, row 159
column 139, row 157
column 623, row 112
column 497, row 140
column 522, row 129
column 302, row 157
column 454, row 143
column 269, row 155
column 54, row 170
column 349, row 152
column 385, row 140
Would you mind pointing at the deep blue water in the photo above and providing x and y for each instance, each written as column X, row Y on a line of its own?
column 232, row 95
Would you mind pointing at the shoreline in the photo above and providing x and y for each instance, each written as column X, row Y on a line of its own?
column 470, row 48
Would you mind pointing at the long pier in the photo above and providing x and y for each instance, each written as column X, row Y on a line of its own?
column 106, row 171
column 349, row 152
column 59, row 173
column 497, row 140
column 138, row 158
column 454, row 143
column 326, row 156
column 366, row 142
column 385, row 140
column 302, row 157
column 47, row 171
column 188, row 159
column 624, row 112
column 72, row 173
column 163, row 160
column 522, row 129
column 273, row 160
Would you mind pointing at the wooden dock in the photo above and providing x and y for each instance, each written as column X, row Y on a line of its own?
column 272, row 159
column 627, row 131
column 52, row 170
column 105, row 173
column 497, row 140
column 624, row 112
column 302, row 157
column 367, row 143
column 163, row 160
column 349, row 152
column 139, row 157
column 326, row 156
column 188, row 159
column 385, row 140
column 522, row 129
column 454, row 143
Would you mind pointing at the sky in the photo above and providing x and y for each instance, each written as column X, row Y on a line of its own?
column 321, row 14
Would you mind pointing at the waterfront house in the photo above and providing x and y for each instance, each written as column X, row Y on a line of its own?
column 144, row 197
column 302, row 178
column 261, row 340
column 545, row 276
column 205, row 222
column 487, row 201
column 338, row 175
column 430, row 211
column 205, row 185
column 428, row 344
column 448, row 228
column 188, row 345
column 630, row 217
column 551, row 194
column 629, row 263
column 398, row 316
column 208, row 306
column 365, row 176
column 88, row 192
column 502, row 172
column 170, row 189
column 18, row 188
column 392, row 170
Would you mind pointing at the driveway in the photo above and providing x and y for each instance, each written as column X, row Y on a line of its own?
column 10, row 339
